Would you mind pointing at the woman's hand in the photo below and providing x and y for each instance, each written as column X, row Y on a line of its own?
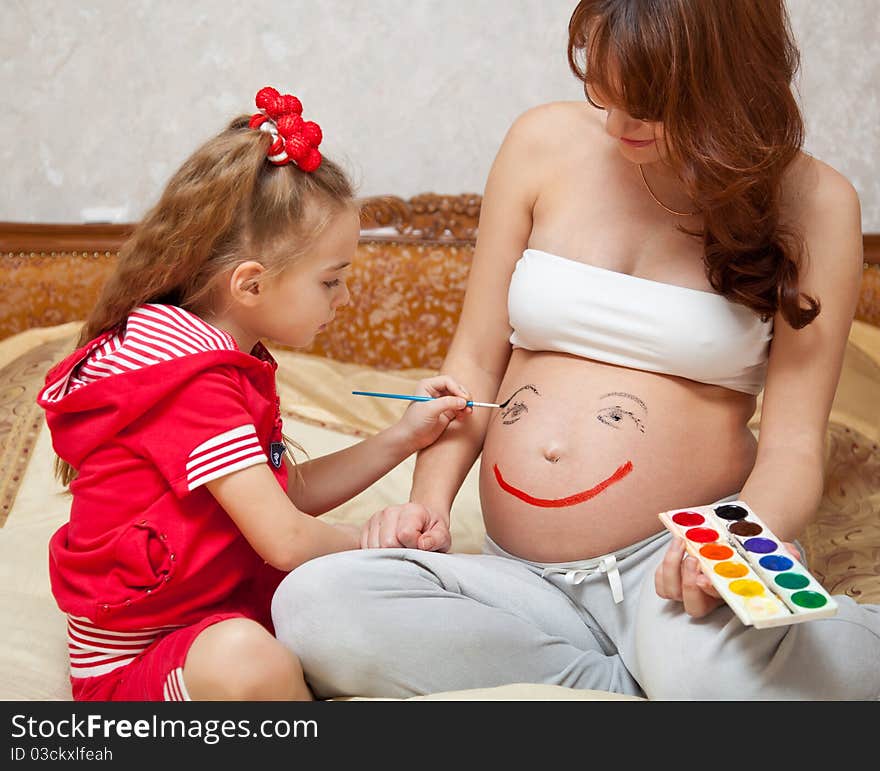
column 680, row 578
column 423, row 422
column 410, row 525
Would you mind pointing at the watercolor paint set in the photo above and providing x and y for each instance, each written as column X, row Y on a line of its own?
column 749, row 566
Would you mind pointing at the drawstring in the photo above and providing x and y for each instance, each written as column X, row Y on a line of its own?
column 607, row 565
column 575, row 575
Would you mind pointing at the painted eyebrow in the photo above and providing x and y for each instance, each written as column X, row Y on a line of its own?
column 521, row 388
column 340, row 266
column 628, row 396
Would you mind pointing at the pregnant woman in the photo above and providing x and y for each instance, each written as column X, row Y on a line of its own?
column 647, row 263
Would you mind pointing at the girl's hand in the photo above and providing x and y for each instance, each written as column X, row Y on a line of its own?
column 680, row 578
column 423, row 422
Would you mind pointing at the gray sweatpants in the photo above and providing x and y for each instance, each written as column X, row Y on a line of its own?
column 403, row 622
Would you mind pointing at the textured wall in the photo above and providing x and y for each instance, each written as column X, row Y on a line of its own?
column 102, row 99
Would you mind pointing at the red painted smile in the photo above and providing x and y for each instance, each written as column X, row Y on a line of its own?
column 571, row 500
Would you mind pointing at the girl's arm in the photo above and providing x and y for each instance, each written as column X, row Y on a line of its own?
column 787, row 481
column 323, row 483
column 277, row 530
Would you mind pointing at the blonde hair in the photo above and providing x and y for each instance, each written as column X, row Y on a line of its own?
column 225, row 205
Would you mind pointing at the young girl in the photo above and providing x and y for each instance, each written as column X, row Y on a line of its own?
column 187, row 511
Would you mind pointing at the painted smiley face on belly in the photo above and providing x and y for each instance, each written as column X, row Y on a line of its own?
column 613, row 414
column 569, row 500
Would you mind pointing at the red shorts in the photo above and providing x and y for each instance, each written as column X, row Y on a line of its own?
column 155, row 675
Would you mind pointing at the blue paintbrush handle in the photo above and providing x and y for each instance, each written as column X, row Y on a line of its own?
column 394, row 396
column 415, row 398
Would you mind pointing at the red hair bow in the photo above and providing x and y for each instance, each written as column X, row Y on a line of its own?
column 293, row 139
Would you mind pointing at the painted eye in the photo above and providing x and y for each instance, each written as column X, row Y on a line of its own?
column 331, row 284
column 513, row 412
column 616, row 417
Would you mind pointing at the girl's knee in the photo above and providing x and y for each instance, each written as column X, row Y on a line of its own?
column 239, row 660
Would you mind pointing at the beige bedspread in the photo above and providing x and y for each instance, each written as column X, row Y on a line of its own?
column 843, row 544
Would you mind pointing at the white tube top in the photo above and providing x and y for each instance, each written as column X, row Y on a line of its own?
column 558, row 304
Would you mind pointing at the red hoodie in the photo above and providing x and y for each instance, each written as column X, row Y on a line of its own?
column 146, row 416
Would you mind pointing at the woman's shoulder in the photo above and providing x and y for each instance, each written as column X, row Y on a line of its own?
column 815, row 194
column 555, row 125
column 822, row 206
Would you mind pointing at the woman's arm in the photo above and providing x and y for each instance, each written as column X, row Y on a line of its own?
column 280, row 533
column 480, row 347
column 786, row 484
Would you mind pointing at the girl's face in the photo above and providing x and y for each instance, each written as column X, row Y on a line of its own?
column 639, row 141
column 302, row 300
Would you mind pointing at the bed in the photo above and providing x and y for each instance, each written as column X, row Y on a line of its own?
column 407, row 285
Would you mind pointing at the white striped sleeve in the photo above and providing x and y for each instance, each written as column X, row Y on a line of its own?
column 230, row 451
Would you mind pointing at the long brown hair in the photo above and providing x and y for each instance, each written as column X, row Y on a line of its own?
column 719, row 75
column 226, row 204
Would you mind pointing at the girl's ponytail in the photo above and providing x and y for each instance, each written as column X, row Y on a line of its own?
column 198, row 216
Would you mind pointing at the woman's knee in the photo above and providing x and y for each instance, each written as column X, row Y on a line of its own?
column 315, row 596
column 313, row 592
column 238, row 659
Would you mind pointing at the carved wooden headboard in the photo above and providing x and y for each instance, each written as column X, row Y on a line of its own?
column 52, row 272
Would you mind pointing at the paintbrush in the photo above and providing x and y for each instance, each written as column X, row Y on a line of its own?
column 421, row 398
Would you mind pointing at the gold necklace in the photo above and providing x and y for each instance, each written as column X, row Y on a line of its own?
column 659, row 202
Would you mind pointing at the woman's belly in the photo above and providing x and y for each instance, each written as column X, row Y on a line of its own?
column 586, row 455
